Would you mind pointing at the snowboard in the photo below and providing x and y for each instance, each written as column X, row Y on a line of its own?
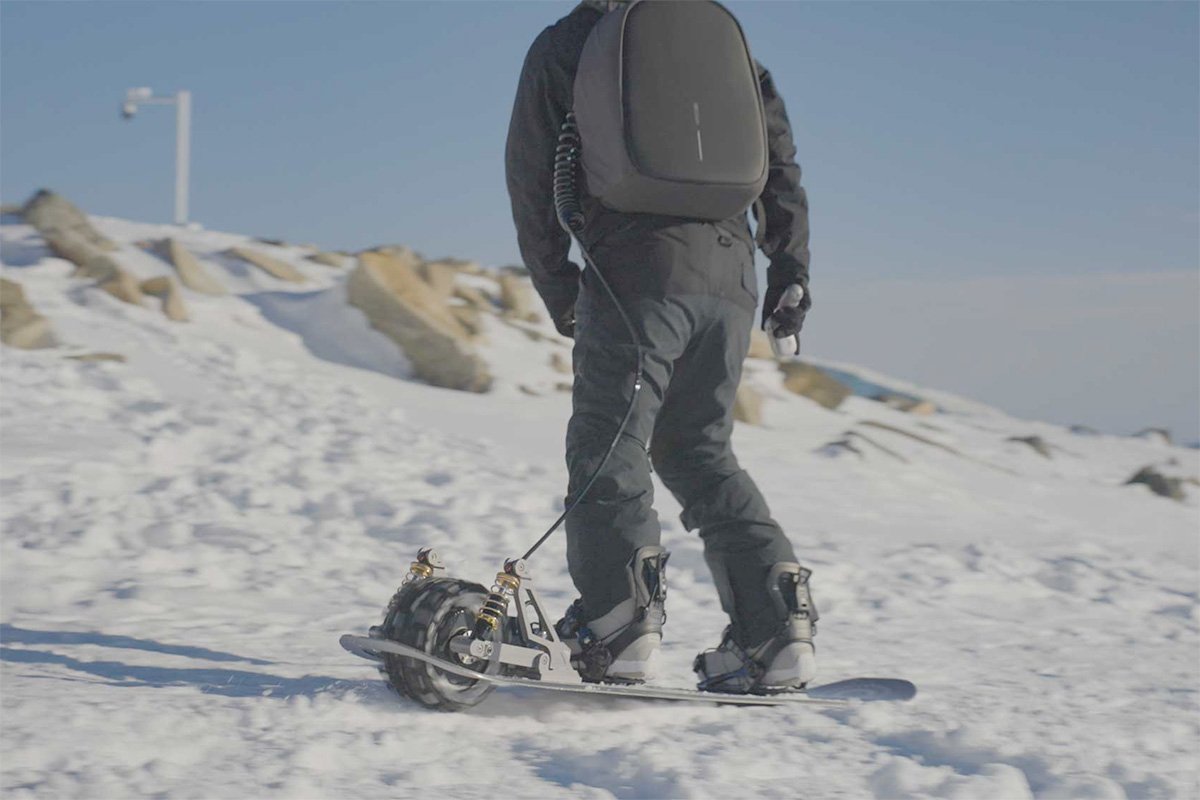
column 829, row 694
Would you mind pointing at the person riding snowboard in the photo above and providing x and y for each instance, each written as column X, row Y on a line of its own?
column 689, row 288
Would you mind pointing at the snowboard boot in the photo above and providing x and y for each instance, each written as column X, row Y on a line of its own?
column 617, row 647
column 785, row 662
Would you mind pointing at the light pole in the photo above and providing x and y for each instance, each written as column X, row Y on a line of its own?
column 183, row 125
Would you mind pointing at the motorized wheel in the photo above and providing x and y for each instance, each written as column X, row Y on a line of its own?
column 427, row 614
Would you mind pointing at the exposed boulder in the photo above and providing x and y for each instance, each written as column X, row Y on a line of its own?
column 474, row 298
column 1160, row 435
column 907, row 403
column 75, row 249
column 110, row 277
column 388, row 288
column 271, row 266
column 849, row 444
column 1084, row 430
column 813, row 383
column 54, row 216
column 560, row 363
column 327, row 259
column 1159, row 484
column 1038, row 444
column 20, row 325
column 172, row 300
column 470, row 318
column 442, row 276
column 191, row 273
column 760, row 345
column 114, row 357
column 400, row 251
column 516, row 295
column 747, row 405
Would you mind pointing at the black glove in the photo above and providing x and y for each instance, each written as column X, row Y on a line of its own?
column 566, row 323
column 559, row 297
column 788, row 320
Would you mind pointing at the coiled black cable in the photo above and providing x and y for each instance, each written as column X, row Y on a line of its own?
column 570, row 216
column 566, row 189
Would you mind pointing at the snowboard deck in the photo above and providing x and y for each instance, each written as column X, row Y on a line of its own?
column 829, row 694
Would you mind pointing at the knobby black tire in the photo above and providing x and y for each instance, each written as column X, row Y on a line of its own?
column 423, row 614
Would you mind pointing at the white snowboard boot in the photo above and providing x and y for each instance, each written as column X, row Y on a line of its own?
column 618, row 647
column 786, row 661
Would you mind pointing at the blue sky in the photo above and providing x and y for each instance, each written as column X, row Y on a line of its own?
column 945, row 146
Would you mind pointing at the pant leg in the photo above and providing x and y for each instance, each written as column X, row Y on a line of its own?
column 692, row 454
column 616, row 516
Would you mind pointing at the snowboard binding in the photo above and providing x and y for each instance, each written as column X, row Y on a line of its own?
column 462, row 623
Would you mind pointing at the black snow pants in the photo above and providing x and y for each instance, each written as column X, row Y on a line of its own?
column 695, row 344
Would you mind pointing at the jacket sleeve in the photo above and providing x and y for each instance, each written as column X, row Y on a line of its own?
column 541, row 104
column 785, row 203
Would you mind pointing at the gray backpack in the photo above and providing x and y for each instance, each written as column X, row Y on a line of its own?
column 669, row 111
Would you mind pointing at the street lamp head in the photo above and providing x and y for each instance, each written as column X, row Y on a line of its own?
column 138, row 94
column 128, row 110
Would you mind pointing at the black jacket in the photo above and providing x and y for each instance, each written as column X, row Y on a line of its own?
column 639, row 253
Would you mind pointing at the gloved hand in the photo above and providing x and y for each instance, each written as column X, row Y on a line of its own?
column 788, row 319
column 559, row 297
column 565, row 323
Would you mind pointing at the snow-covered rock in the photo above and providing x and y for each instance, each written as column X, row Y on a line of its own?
column 389, row 290
column 20, row 325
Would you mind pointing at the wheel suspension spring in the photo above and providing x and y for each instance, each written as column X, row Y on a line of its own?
column 495, row 606
column 426, row 563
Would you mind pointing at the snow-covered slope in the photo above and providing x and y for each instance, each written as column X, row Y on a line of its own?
column 185, row 535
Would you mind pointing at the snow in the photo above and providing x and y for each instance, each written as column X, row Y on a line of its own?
column 185, row 536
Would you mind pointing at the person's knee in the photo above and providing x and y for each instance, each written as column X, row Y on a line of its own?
column 682, row 467
column 626, row 474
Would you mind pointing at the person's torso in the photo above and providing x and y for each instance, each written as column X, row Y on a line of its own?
column 648, row 253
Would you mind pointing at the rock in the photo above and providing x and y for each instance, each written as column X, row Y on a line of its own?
column 1038, row 444
column 20, row 325
column 54, row 215
column 75, row 249
column 269, row 265
column 191, row 273
column 516, row 296
column 1159, row 484
column 760, row 345
column 560, row 363
column 401, row 251
column 110, row 277
column 271, row 242
column 529, row 390
column 848, row 444
column 474, row 298
column 326, row 259
column 923, row 408
column 441, row 276
column 465, row 267
column 1084, row 430
column 563, row 386
column 470, row 318
column 172, row 300
column 813, row 383
column 1160, row 435
column 907, row 403
column 839, row 447
column 116, row 357
column 396, row 300
column 12, row 210
column 747, row 405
